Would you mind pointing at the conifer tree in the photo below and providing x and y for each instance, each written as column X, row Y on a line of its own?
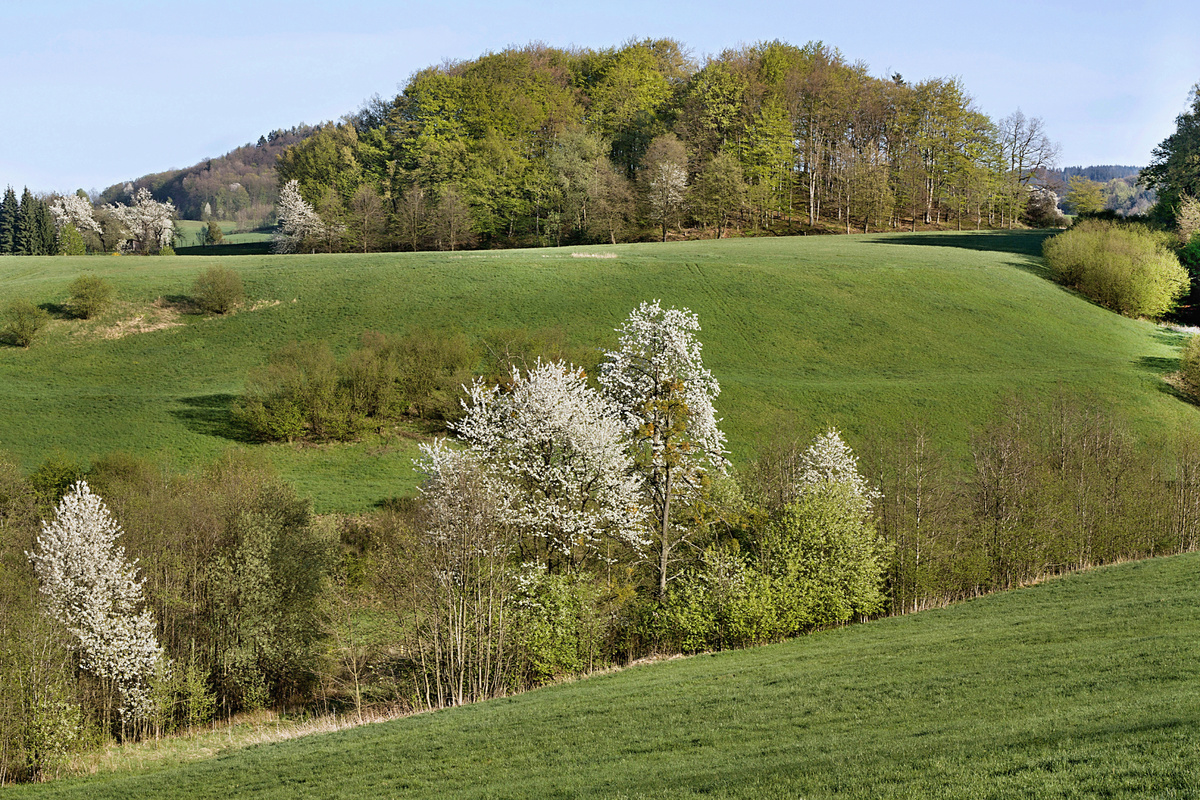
column 8, row 222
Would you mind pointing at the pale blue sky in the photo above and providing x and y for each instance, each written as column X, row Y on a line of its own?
column 93, row 94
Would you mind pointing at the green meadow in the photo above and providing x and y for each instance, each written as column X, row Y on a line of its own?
column 189, row 233
column 864, row 332
column 1085, row 686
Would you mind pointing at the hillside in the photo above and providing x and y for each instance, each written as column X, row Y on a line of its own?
column 240, row 186
column 865, row 332
column 1085, row 686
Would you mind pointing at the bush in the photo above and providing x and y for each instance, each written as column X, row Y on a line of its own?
column 1128, row 268
column 25, row 320
column 218, row 290
column 1189, row 364
column 298, row 394
column 90, row 295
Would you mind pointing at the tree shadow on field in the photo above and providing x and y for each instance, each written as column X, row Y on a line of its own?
column 57, row 310
column 1026, row 243
column 211, row 415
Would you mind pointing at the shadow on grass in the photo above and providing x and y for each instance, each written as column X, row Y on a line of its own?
column 1026, row 243
column 210, row 415
column 184, row 304
column 58, row 311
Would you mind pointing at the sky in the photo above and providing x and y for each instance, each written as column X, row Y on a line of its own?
column 93, row 94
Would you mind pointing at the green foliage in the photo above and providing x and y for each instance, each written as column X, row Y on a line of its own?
column 1189, row 364
column 1125, row 267
column 70, row 241
column 54, row 476
column 212, row 233
column 297, row 394
column 1084, row 195
column 24, row 321
column 89, row 296
column 218, row 290
column 558, row 626
column 1172, row 171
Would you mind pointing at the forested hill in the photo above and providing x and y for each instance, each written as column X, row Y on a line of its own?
column 1101, row 173
column 240, row 185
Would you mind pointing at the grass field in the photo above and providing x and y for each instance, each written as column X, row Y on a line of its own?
column 1086, row 686
column 189, row 231
column 858, row 331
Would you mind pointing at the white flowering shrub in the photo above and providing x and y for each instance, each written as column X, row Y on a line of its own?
column 95, row 593
column 562, row 451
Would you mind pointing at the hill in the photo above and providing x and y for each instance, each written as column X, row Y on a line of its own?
column 863, row 332
column 240, row 186
column 1085, row 686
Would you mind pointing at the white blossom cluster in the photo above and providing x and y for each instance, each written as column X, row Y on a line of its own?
column 148, row 222
column 562, row 454
column 658, row 359
column 91, row 589
column 76, row 210
column 830, row 461
column 298, row 222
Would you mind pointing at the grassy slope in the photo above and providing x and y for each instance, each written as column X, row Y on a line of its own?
column 1087, row 686
column 858, row 331
column 190, row 232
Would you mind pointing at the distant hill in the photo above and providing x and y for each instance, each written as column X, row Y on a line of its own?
column 1122, row 192
column 240, row 185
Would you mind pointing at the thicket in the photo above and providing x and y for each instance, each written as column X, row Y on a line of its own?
column 304, row 392
column 1123, row 266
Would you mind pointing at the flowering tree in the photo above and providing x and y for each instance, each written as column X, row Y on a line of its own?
column 665, row 395
column 74, row 210
column 562, row 452
column 92, row 590
column 299, row 224
column 830, row 462
column 148, row 223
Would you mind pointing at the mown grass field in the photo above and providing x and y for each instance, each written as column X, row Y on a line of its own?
column 859, row 331
column 1085, row 686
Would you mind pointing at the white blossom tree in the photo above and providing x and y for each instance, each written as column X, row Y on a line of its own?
column 96, row 594
column 829, row 461
column 299, row 225
column 665, row 394
column 562, row 451
column 75, row 210
column 148, row 223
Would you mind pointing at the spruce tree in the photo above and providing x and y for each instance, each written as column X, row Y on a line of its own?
column 8, row 222
column 23, row 238
column 44, row 229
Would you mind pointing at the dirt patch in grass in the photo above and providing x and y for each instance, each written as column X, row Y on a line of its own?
column 161, row 315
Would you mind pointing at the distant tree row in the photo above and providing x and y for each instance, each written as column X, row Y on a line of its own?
column 70, row 225
column 538, row 145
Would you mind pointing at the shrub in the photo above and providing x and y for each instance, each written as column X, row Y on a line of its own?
column 90, row 295
column 25, row 320
column 1125, row 267
column 1189, row 364
column 298, row 394
column 218, row 290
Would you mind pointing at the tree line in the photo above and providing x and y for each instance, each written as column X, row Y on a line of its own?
column 538, row 145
